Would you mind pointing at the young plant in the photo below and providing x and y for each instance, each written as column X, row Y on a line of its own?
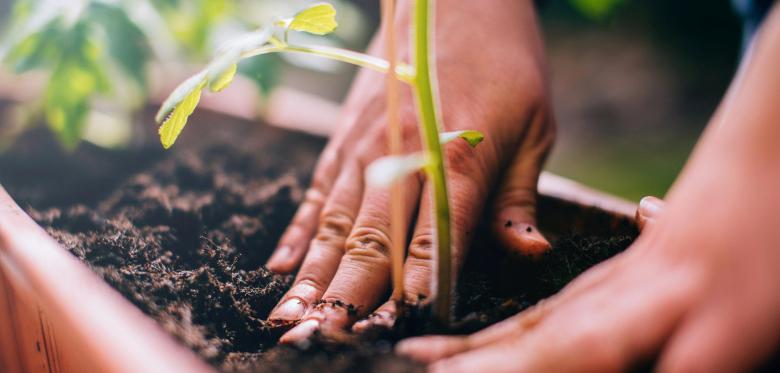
column 320, row 19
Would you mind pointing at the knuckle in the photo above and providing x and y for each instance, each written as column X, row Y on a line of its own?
column 516, row 197
column 368, row 242
column 309, row 280
column 314, row 195
column 421, row 247
column 334, row 224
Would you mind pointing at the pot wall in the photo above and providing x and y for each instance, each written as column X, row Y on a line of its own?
column 57, row 316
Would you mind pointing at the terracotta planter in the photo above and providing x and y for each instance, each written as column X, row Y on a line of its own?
column 56, row 315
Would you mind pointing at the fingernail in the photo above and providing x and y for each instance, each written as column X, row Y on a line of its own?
column 532, row 242
column 650, row 207
column 279, row 258
column 379, row 319
column 301, row 332
column 291, row 310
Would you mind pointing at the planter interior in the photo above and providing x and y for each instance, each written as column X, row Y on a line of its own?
column 65, row 318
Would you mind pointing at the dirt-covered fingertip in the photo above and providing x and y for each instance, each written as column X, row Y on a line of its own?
column 522, row 238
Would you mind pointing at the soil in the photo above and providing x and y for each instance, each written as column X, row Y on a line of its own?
column 184, row 236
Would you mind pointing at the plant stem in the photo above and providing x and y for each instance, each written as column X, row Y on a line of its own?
column 429, row 118
column 397, row 228
column 404, row 72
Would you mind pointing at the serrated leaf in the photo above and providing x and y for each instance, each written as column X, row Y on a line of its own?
column 223, row 80
column 172, row 127
column 181, row 92
column 386, row 171
column 318, row 19
column 471, row 136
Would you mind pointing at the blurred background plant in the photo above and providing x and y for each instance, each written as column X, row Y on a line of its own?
column 96, row 55
column 633, row 81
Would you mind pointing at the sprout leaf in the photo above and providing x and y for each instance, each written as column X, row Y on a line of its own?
column 223, row 80
column 318, row 19
column 471, row 136
column 183, row 100
column 385, row 171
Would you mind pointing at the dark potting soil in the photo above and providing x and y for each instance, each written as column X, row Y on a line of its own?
column 184, row 236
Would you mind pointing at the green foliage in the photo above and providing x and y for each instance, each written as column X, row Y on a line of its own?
column 174, row 124
column 75, row 79
column 124, row 40
column 470, row 136
column 191, row 21
column 75, row 44
column 223, row 80
column 318, row 19
column 596, row 9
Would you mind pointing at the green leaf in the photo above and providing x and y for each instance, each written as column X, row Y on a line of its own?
column 172, row 127
column 126, row 43
column 596, row 9
column 38, row 50
column 471, row 136
column 223, row 80
column 318, row 19
column 386, row 171
column 264, row 72
column 77, row 77
column 195, row 82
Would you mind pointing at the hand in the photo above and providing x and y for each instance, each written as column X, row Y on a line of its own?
column 698, row 290
column 492, row 79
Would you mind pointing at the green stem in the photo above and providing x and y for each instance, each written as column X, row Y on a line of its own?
column 404, row 72
column 428, row 115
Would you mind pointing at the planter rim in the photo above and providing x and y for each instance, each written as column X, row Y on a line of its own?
column 108, row 331
column 111, row 332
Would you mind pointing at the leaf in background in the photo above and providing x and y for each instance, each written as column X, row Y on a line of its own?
column 38, row 50
column 77, row 77
column 223, row 80
column 596, row 9
column 175, row 123
column 385, row 171
column 192, row 21
column 264, row 71
column 126, row 42
column 318, row 19
column 471, row 136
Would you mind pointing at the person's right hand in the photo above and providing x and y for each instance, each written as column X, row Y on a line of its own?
column 492, row 79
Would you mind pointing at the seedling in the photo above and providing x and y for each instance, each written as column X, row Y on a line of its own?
column 320, row 19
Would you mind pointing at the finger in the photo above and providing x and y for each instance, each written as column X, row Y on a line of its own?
column 363, row 275
column 326, row 249
column 296, row 238
column 465, row 206
column 428, row 349
column 605, row 329
column 417, row 269
column 515, row 203
column 650, row 208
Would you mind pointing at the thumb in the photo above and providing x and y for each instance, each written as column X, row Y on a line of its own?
column 515, row 205
column 649, row 210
